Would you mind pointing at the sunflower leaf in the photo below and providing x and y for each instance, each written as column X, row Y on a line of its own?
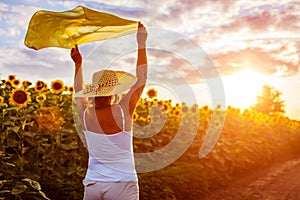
column 34, row 184
column 18, row 189
column 44, row 195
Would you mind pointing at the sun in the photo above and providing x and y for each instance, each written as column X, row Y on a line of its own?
column 242, row 88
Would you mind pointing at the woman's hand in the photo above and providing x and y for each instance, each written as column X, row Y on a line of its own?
column 76, row 56
column 141, row 35
column 78, row 78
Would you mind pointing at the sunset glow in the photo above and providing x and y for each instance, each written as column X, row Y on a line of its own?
column 241, row 88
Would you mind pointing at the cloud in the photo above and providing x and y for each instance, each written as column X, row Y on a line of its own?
column 165, row 66
column 250, row 20
column 47, row 65
column 281, row 59
column 264, row 21
column 16, row 15
column 123, row 9
column 14, row 21
column 262, row 35
column 64, row 4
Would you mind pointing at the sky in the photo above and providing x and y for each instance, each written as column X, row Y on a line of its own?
column 208, row 51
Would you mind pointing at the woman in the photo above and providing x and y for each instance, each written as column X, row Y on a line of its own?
column 108, row 126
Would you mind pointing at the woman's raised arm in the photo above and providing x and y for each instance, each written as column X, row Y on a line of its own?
column 78, row 77
column 81, row 103
column 135, row 92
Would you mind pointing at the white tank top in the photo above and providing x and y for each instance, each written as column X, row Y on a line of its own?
column 110, row 155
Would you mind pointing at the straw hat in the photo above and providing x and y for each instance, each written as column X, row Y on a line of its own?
column 108, row 83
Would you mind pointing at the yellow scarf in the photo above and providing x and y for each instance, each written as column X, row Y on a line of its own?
column 77, row 26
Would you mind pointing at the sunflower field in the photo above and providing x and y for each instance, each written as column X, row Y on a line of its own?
column 42, row 157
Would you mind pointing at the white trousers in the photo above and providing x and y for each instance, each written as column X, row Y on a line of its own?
column 95, row 190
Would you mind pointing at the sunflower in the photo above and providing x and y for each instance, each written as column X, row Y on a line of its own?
column 134, row 116
column 194, row 109
column 40, row 98
column 151, row 93
column 57, row 86
column 146, row 104
column 45, row 85
column 39, row 86
column 160, row 103
column 7, row 84
column 26, row 84
column 50, row 118
column 16, row 82
column 155, row 101
column 185, row 108
column 205, row 109
column 20, row 97
column 165, row 108
column 11, row 77
column 164, row 105
column 176, row 111
column 71, row 89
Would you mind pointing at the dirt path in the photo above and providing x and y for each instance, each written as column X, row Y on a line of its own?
column 281, row 181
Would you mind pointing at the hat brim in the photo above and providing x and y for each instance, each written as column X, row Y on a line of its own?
column 122, row 86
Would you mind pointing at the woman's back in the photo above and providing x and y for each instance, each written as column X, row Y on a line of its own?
column 108, row 120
